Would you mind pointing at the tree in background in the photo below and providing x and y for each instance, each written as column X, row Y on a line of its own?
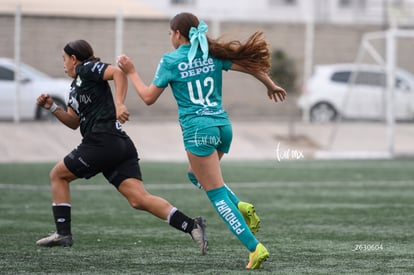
column 283, row 72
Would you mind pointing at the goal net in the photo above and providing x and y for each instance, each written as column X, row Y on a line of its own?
column 391, row 135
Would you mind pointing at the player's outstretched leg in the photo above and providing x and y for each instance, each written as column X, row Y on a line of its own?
column 235, row 222
column 245, row 208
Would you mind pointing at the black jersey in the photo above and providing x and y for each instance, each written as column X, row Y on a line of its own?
column 91, row 98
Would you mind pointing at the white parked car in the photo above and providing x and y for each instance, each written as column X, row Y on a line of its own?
column 328, row 94
column 32, row 84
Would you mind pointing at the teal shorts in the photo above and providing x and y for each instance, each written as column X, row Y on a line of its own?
column 203, row 142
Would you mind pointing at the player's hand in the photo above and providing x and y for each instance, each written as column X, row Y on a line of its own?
column 276, row 93
column 122, row 113
column 125, row 64
column 45, row 101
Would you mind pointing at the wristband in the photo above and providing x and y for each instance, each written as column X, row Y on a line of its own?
column 53, row 108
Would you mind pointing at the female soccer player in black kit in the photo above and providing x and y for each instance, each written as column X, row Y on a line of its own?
column 105, row 147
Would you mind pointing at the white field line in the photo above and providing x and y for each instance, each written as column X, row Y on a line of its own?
column 244, row 185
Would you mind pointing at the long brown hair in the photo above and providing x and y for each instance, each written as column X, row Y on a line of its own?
column 252, row 54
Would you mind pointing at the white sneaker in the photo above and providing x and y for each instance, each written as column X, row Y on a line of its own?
column 199, row 234
column 56, row 240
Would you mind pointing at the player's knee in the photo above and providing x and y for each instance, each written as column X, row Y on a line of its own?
column 138, row 203
column 60, row 173
column 54, row 174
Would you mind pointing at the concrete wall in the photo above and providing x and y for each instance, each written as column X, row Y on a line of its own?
column 146, row 40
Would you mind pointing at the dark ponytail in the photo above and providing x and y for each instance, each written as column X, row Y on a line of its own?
column 81, row 49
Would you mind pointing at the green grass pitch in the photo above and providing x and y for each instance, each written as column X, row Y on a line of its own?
column 318, row 217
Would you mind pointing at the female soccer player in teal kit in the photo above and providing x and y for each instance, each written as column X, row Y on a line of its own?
column 194, row 72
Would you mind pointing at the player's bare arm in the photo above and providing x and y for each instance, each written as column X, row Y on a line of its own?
column 149, row 94
column 69, row 117
column 121, row 86
column 274, row 92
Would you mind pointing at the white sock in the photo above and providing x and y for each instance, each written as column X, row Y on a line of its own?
column 62, row 204
column 173, row 210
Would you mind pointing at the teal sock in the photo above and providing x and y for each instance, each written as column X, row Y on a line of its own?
column 232, row 217
column 230, row 193
column 232, row 196
column 194, row 180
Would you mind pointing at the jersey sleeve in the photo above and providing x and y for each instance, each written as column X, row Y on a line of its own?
column 92, row 70
column 163, row 74
column 226, row 65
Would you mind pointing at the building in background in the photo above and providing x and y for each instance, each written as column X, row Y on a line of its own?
column 377, row 12
column 140, row 29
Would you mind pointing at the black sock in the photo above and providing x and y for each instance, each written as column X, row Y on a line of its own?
column 61, row 214
column 182, row 222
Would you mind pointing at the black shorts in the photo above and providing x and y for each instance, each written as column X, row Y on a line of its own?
column 112, row 155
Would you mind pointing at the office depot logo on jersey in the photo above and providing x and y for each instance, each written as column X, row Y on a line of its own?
column 198, row 66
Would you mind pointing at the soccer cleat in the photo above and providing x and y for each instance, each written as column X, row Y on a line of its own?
column 199, row 234
column 257, row 257
column 56, row 240
column 250, row 216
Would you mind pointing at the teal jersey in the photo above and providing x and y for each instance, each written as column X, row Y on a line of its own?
column 197, row 87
